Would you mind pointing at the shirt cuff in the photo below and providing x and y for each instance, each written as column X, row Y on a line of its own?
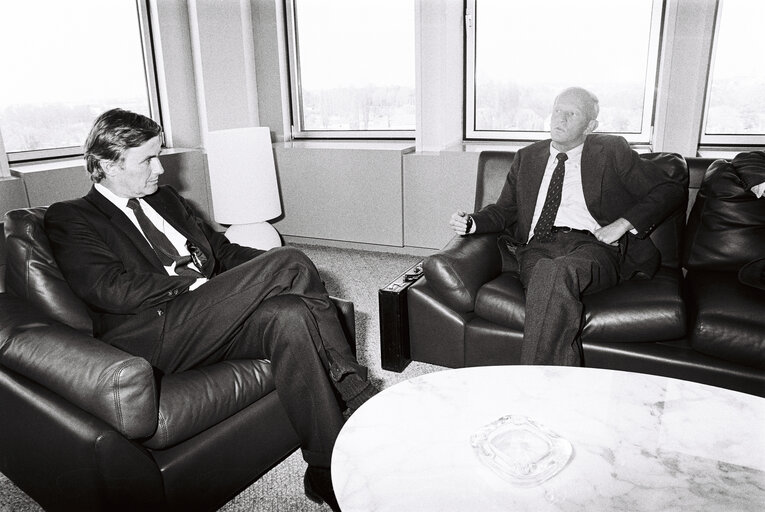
column 199, row 282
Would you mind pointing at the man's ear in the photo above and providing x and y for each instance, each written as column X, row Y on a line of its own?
column 591, row 126
column 110, row 167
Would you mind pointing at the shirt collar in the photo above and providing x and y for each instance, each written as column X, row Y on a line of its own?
column 571, row 153
column 119, row 202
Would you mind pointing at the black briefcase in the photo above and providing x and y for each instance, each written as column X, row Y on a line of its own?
column 394, row 320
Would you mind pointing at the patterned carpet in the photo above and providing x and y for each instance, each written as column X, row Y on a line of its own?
column 348, row 273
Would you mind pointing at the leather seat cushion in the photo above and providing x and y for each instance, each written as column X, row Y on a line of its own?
column 638, row 310
column 195, row 400
column 502, row 301
column 633, row 311
column 730, row 317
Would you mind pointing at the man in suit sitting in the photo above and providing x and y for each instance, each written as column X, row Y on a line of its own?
column 576, row 212
column 160, row 283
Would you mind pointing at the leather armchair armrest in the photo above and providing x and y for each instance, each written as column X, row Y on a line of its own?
column 100, row 379
column 457, row 271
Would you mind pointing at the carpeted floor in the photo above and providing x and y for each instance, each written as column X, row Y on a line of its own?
column 348, row 273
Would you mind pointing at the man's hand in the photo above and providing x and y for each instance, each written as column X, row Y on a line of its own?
column 613, row 232
column 459, row 223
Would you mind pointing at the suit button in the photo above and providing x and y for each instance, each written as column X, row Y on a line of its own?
column 160, row 312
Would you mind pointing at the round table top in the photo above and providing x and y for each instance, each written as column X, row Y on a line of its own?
column 640, row 442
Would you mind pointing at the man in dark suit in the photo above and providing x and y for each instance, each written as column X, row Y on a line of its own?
column 576, row 212
column 160, row 283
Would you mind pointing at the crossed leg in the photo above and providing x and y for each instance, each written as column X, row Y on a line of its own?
column 555, row 275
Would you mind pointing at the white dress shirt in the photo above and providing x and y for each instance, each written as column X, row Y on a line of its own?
column 175, row 237
column 572, row 212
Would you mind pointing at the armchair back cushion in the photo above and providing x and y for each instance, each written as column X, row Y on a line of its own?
column 493, row 167
column 668, row 236
column 31, row 271
column 726, row 226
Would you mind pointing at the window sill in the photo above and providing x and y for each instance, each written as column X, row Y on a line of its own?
column 378, row 145
column 726, row 153
column 22, row 168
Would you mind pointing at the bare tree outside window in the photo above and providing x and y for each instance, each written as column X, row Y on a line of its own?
column 736, row 94
column 523, row 53
column 354, row 65
column 64, row 63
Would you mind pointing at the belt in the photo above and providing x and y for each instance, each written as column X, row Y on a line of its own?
column 566, row 229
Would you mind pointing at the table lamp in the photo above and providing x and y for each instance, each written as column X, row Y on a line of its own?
column 245, row 193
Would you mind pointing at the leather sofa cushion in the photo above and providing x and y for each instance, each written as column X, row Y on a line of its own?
column 638, row 310
column 502, row 301
column 31, row 271
column 632, row 311
column 100, row 379
column 726, row 226
column 729, row 318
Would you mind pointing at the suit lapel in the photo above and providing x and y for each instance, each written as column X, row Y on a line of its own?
column 593, row 167
column 122, row 223
column 529, row 184
column 171, row 209
column 170, row 214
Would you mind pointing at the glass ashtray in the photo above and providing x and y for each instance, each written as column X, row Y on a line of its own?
column 521, row 451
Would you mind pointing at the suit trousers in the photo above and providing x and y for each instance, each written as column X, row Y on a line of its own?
column 555, row 275
column 274, row 307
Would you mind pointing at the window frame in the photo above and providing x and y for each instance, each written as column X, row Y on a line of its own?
column 147, row 49
column 296, row 102
column 716, row 140
column 645, row 136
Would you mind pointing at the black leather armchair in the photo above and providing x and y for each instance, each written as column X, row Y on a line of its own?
column 86, row 426
column 466, row 312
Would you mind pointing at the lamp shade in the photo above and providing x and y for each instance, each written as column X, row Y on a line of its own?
column 242, row 175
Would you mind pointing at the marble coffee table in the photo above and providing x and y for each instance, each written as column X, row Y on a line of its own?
column 640, row 443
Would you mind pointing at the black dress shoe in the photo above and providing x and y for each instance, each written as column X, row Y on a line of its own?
column 318, row 487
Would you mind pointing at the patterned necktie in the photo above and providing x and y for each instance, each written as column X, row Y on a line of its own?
column 166, row 251
column 543, row 229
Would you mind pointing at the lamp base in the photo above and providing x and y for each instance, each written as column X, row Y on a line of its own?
column 258, row 235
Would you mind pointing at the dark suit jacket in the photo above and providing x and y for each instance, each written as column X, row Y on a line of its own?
column 616, row 183
column 113, row 269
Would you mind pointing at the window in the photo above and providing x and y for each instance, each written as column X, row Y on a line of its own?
column 352, row 68
column 735, row 110
column 521, row 54
column 64, row 64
